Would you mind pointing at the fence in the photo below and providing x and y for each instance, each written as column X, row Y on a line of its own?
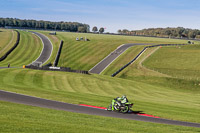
column 64, row 69
column 9, row 51
column 58, row 54
column 114, row 74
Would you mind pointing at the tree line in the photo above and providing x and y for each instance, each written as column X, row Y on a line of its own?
column 178, row 32
column 46, row 25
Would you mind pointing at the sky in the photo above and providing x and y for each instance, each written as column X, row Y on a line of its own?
column 110, row 14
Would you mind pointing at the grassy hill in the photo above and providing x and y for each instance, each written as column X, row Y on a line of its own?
column 99, row 90
column 182, row 62
column 96, row 90
column 8, row 39
column 174, row 75
column 84, row 55
column 27, row 51
column 149, row 86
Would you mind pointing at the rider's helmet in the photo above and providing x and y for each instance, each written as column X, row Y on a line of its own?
column 124, row 96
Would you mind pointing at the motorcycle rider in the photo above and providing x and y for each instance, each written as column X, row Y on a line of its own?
column 120, row 100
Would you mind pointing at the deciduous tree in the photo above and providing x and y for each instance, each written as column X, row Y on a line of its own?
column 101, row 30
column 94, row 29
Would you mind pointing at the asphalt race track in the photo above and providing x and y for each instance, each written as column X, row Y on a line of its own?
column 3, row 67
column 111, row 57
column 47, row 49
column 44, row 103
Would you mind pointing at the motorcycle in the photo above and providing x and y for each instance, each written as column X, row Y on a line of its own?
column 121, row 107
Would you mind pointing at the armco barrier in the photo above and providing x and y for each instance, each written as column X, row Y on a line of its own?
column 58, row 54
column 64, row 69
column 114, row 74
column 16, row 44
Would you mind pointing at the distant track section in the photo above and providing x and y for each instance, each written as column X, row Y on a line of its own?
column 101, row 66
column 44, row 103
column 46, row 52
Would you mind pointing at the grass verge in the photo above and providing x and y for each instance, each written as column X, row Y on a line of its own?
column 8, row 39
column 28, row 50
column 181, row 61
column 21, row 118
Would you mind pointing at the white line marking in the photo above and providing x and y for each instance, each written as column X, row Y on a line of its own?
column 43, row 47
column 51, row 48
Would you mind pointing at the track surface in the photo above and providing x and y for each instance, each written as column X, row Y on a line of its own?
column 47, row 49
column 44, row 103
column 3, row 67
column 111, row 57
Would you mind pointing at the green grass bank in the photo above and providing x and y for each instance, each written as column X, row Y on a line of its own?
column 20, row 118
column 28, row 50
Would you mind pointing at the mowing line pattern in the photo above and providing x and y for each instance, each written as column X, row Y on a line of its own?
column 8, row 44
column 28, row 49
column 75, row 88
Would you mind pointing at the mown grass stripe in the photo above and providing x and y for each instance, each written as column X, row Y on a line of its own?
column 66, row 85
column 20, row 53
column 8, row 39
column 99, row 90
column 26, row 51
column 77, row 54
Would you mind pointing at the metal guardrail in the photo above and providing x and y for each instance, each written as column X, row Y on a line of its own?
column 64, row 69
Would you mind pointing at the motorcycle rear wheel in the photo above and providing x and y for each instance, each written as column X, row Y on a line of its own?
column 125, row 110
